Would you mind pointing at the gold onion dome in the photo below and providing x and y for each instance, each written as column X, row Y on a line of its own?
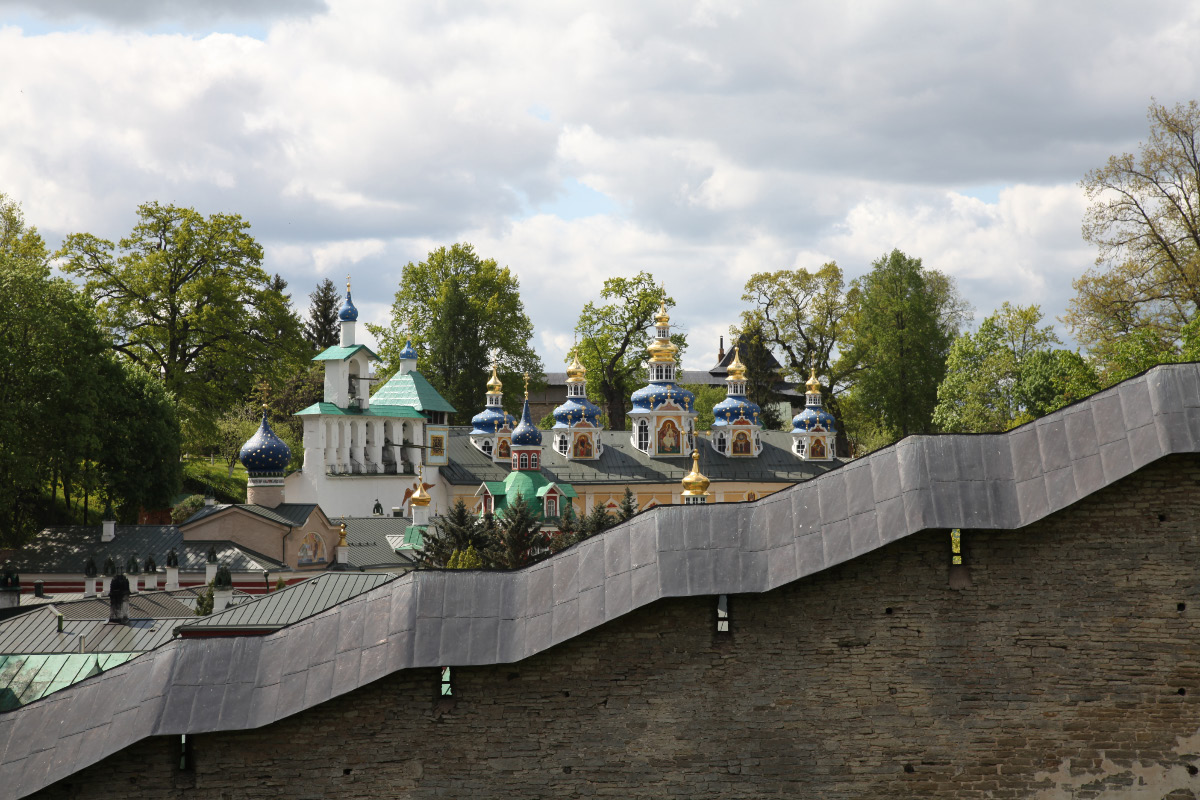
column 494, row 386
column 695, row 484
column 575, row 370
column 813, row 384
column 662, row 318
column 421, row 497
column 342, row 533
column 737, row 370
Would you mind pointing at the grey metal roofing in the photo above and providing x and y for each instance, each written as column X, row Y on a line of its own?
column 621, row 462
column 369, row 547
column 289, row 605
column 439, row 618
column 292, row 514
column 37, row 632
column 25, row 678
column 142, row 605
column 66, row 549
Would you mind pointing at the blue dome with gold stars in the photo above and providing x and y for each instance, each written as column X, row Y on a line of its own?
column 649, row 398
column 811, row 417
column 408, row 351
column 734, row 408
column 526, row 434
column 265, row 452
column 576, row 410
column 491, row 420
column 348, row 313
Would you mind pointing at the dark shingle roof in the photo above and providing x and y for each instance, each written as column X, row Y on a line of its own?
column 296, row 602
column 621, row 462
column 369, row 548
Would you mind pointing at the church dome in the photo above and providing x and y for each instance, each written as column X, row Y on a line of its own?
column 694, row 483
column 491, row 420
column 649, row 398
column 526, row 433
column 576, row 410
column 265, row 452
column 408, row 351
column 810, row 418
column 731, row 409
column 348, row 313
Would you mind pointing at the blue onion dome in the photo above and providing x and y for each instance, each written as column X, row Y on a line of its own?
column 810, row 418
column 576, row 410
column 491, row 420
column 526, row 433
column 348, row 313
column 735, row 408
column 265, row 452
column 408, row 351
column 649, row 398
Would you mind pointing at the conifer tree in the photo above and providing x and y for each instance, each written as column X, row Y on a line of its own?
column 627, row 508
column 455, row 532
column 597, row 520
column 321, row 329
column 520, row 535
column 204, row 606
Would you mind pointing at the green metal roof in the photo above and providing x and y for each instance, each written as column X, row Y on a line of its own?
column 411, row 389
column 25, row 678
column 377, row 409
column 285, row 606
column 339, row 353
column 563, row 489
column 495, row 487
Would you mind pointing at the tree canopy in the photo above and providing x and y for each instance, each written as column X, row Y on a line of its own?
column 185, row 297
column 321, row 328
column 1144, row 218
column 458, row 309
column 613, row 339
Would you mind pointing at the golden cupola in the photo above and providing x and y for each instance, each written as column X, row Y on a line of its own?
column 662, row 350
column 576, row 372
column 421, row 497
column 813, row 385
column 737, row 370
column 694, row 483
column 493, row 385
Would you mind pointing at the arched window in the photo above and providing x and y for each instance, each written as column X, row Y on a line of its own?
column 487, row 446
column 515, row 462
column 524, row 461
column 719, row 441
column 533, row 460
column 551, row 506
column 487, row 504
column 643, row 435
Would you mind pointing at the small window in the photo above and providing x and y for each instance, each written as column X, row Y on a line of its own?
column 723, row 613
column 533, row 460
column 551, row 506
column 515, row 461
column 643, row 435
column 800, row 450
column 187, row 762
column 956, row 546
column 524, row 461
column 447, row 683
column 562, row 444
column 487, row 504
column 719, row 441
column 487, row 446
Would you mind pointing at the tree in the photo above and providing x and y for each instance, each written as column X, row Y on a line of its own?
column 707, row 398
column 1145, row 219
column 597, row 520
column 456, row 308
column 762, row 370
column 456, row 532
column 903, row 322
column 613, row 339
column 519, row 537
column 321, row 329
column 204, row 603
column 185, row 297
column 1009, row 373
column 627, row 507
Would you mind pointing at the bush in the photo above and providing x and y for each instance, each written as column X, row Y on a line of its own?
column 186, row 507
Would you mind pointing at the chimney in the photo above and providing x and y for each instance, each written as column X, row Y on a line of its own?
column 10, row 587
column 721, row 351
column 118, row 601
column 396, row 511
column 210, row 568
column 172, row 570
column 222, row 589
column 39, row 589
column 108, row 530
column 209, row 500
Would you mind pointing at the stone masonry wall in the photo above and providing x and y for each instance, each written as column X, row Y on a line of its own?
column 1070, row 668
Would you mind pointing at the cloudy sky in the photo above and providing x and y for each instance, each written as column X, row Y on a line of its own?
column 702, row 141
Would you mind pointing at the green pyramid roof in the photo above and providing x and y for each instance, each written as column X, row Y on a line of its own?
column 411, row 389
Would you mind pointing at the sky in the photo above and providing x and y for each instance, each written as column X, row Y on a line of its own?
column 701, row 141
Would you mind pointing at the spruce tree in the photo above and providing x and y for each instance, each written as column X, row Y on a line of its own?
column 596, row 521
column 568, row 529
column 520, row 535
column 322, row 326
column 457, row 531
column 204, row 606
column 627, row 508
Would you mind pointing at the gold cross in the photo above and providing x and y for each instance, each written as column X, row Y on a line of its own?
column 526, row 385
column 347, row 284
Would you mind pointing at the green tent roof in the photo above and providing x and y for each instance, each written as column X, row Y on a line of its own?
column 375, row 410
column 338, row 353
column 411, row 389
column 563, row 488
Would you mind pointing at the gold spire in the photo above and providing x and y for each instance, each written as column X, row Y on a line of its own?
column 695, row 484
column 494, row 386
column 526, row 385
column 575, row 370
column 420, row 497
column 347, row 284
column 814, row 385
column 737, row 370
column 662, row 318
column 342, row 540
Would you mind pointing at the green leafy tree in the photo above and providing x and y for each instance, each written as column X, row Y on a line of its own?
column 204, row 605
column 627, row 507
column 458, row 309
column 613, row 339
column 519, row 536
column 185, row 297
column 1008, row 373
column 707, row 398
column 186, row 507
column 322, row 329
column 905, row 318
column 280, row 584
column 1144, row 218
column 233, row 429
